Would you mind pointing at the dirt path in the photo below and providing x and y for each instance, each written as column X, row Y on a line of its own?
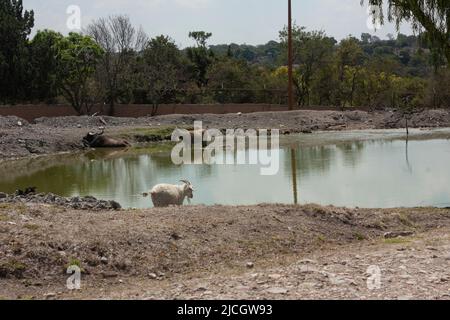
column 265, row 251
column 19, row 138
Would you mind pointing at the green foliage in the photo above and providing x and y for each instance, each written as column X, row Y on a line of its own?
column 235, row 76
column 267, row 55
column 312, row 50
column 116, row 63
column 162, row 71
column 15, row 27
column 77, row 58
column 437, row 93
column 200, row 56
column 44, row 65
column 431, row 15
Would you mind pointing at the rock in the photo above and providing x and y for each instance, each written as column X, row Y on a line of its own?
column 392, row 235
column 307, row 261
column 152, row 276
column 104, row 260
column 50, row 295
column 50, row 198
column 123, row 265
column 89, row 199
column 201, row 288
column 109, row 275
column 250, row 265
column 78, row 203
column 175, row 236
column 277, row 290
column 115, row 205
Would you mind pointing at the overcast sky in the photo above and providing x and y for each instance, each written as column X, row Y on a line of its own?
column 238, row 21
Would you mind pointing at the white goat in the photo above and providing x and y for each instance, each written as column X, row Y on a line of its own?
column 164, row 195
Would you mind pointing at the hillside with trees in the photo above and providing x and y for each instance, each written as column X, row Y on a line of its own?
column 114, row 62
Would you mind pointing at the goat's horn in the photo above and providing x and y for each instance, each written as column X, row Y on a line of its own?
column 185, row 181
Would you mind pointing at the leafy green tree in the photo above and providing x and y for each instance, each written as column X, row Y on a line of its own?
column 200, row 56
column 312, row 51
column 44, row 64
column 431, row 15
column 267, row 54
column 15, row 27
column 231, row 81
column 162, row 70
column 77, row 57
column 437, row 93
column 349, row 58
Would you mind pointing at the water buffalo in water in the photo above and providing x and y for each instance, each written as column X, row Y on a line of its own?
column 98, row 140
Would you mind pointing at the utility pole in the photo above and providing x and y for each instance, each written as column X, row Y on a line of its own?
column 290, row 58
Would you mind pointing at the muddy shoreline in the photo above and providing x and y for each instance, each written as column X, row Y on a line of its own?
column 20, row 139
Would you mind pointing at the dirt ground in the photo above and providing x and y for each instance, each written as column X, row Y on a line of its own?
column 198, row 252
column 18, row 138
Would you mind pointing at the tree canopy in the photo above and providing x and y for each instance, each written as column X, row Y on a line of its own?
column 431, row 15
column 15, row 27
column 113, row 61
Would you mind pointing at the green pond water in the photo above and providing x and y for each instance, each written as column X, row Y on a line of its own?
column 354, row 169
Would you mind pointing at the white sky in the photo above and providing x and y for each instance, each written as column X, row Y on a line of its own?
column 238, row 21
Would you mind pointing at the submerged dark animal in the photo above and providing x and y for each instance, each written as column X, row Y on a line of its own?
column 98, row 140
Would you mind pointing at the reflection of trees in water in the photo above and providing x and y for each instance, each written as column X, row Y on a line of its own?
column 13, row 169
column 106, row 171
column 311, row 160
column 308, row 161
column 36, row 172
column 352, row 152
